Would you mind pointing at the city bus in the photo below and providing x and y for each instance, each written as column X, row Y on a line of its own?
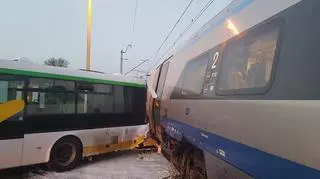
column 59, row 116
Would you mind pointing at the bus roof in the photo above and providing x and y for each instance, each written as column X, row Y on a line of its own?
column 36, row 70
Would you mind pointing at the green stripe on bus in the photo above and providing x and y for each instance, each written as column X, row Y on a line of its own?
column 66, row 77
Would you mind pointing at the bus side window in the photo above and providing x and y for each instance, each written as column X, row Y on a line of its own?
column 40, row 83
column 10, row 88
column 86, row 87
column 94, row 98
column 119, row 99
column 91, row 103
column 63, row 85
column 48, row 96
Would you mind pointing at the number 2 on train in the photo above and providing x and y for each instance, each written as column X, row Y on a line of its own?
column 215, row 60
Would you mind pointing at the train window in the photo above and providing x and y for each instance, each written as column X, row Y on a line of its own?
column 194, row 73
column 162, row 78
column 209, row 87
column 247, row 62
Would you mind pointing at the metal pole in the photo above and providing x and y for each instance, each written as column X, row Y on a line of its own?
column 121, row 61
column 121, row 57
column 88, row 62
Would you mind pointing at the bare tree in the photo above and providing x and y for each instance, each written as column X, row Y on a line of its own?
column 58, row 62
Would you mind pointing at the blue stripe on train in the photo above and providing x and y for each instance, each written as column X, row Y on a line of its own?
column 255, row 162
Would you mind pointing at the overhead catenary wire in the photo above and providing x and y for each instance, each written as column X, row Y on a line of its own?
column 134, row 20
column 195, row 19
column 172, row 29
column 142, row 61
column 132, row 39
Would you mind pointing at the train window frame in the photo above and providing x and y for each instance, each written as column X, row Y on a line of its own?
column 177, row 92
column 162, row 77
column 204, row 57
column 259, row 29
column 215, row 61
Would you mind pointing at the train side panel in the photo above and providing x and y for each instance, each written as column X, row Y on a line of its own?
column 267, row 132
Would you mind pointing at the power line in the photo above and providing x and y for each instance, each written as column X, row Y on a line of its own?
column 172, row 29
column 195, row 19
column 134, row 20
column 130, row 44
column 142, row 62
column 135, row 16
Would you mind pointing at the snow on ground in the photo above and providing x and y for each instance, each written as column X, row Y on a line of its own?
column 119, row 165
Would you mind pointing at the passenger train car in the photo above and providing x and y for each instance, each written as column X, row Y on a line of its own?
column 59, row 116
column 241, row 98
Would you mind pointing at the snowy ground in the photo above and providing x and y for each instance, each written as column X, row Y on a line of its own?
column 119, row 165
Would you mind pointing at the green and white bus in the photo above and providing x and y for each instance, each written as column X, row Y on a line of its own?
column 58, row 115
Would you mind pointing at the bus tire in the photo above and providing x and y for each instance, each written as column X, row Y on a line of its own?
column 65, row 154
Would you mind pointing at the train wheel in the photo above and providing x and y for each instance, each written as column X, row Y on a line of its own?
column 65, row 154
column 193, row 169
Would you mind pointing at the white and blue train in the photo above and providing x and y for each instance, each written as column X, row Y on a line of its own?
column 241, row 98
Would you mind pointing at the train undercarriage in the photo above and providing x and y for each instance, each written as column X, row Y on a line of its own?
column 186, row 158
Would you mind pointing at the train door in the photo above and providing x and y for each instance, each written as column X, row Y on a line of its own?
column 159, row 90
column 152, row 83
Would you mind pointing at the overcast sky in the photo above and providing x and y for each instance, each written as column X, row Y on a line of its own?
column 39, row 29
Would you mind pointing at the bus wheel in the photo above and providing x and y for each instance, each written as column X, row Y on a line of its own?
column 65, row 154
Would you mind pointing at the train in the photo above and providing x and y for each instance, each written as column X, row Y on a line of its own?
column 240, row 99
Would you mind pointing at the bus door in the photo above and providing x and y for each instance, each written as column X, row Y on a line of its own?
column 159, row 90
column 11, row 121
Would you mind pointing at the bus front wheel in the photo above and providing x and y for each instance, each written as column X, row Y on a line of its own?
column 65, row 154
